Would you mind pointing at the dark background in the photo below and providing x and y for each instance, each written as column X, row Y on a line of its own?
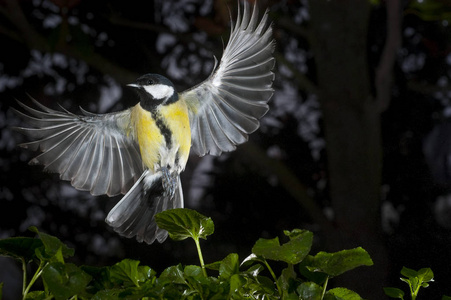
column 83, row 53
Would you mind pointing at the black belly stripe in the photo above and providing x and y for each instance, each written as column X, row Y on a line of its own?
column 164, row 129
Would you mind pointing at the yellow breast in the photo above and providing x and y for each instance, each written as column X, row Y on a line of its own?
column 164, row 136
column 176, row 115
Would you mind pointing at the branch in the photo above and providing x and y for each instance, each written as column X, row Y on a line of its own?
column 384, row 71
column 29, row 36
column 12, row 11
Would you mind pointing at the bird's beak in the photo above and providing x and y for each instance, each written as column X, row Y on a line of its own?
column 133, row 85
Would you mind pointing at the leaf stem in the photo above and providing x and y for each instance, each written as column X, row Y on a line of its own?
column 201, row 258
column 414, row 291
column 273, row 276
column 324, row 287
column 24, row 281
column 36, row 275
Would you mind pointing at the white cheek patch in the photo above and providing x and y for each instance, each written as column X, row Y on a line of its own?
column 159, row 91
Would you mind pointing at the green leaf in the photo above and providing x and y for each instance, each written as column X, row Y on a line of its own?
column 193, row 271
column 315, row 276
column 36, row 295
column 20, row 247
column 54, row 248
column 409, row 273
column 254, row 270
column 341, row 294
column 214, row 265
column 229, row 266
column 110, row 294
column 417, row 279
column 250, row 287
column 334, row 264
column 426, row 275
column 237, row 282
column 446, row 297
column 286, row 279
column 394, row 292
column 310, row 291
column 64, row 280
column 182, row 223
column 100, row 278
column 293, row 252
column 126, row 271
column 173, row 274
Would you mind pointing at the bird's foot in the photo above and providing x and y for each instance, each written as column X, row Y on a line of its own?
column 169, row 181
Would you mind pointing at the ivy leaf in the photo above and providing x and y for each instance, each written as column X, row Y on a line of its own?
column 100, row 277
column 64, row 280
column 287, row 278
column 22, row 248
column 54, row 248
column 417, row 279
column 292, row 252
column 36, row 295
column 229, row 266
column 194, row 272
column 310, row 273
column 334, row 264
column 182, row 223
column 310, row 290
column 173, row 274
column 110, row 294
column 426, row 275
column 341, row 294
column 126, row 272
column 394, row 292
column 409, row 273
column 237, row 282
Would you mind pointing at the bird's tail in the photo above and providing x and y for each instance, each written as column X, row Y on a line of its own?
column 134, row 215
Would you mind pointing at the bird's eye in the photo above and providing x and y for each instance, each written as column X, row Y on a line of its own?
column 150, row 82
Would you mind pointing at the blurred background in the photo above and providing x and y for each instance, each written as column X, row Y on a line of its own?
column 356, row 146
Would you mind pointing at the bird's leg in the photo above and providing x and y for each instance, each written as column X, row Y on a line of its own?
column 169, row 182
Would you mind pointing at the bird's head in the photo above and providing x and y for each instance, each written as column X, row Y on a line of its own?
column 154, row 90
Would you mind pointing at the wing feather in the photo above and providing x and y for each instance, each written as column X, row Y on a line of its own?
column 226, row 107
column 95, row 152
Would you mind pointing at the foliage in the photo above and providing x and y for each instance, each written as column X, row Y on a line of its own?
column 305, row 276
column 415, row 280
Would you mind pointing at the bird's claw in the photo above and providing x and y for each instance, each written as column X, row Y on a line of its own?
column 169, row 182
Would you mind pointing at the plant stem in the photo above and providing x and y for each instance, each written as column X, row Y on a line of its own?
column 273, row 276
column 24, row 281
column 33, row 280
column 413, row 292
column 324, row 287
column 201, row 258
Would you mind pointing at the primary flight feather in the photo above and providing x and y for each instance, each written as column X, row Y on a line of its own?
column 141, row 151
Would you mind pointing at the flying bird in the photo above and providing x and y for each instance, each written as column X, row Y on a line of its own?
column 141, row 151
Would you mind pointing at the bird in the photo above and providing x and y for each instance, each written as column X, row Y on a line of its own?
column 141, row 151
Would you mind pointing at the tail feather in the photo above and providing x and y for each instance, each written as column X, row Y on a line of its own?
column 134, row 215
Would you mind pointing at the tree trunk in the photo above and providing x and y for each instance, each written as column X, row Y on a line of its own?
column 352, row 133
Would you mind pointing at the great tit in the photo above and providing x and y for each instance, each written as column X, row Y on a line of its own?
column 141, row 151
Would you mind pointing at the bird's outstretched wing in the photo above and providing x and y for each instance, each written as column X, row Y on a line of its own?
column 95, row 152
column 226, row 107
